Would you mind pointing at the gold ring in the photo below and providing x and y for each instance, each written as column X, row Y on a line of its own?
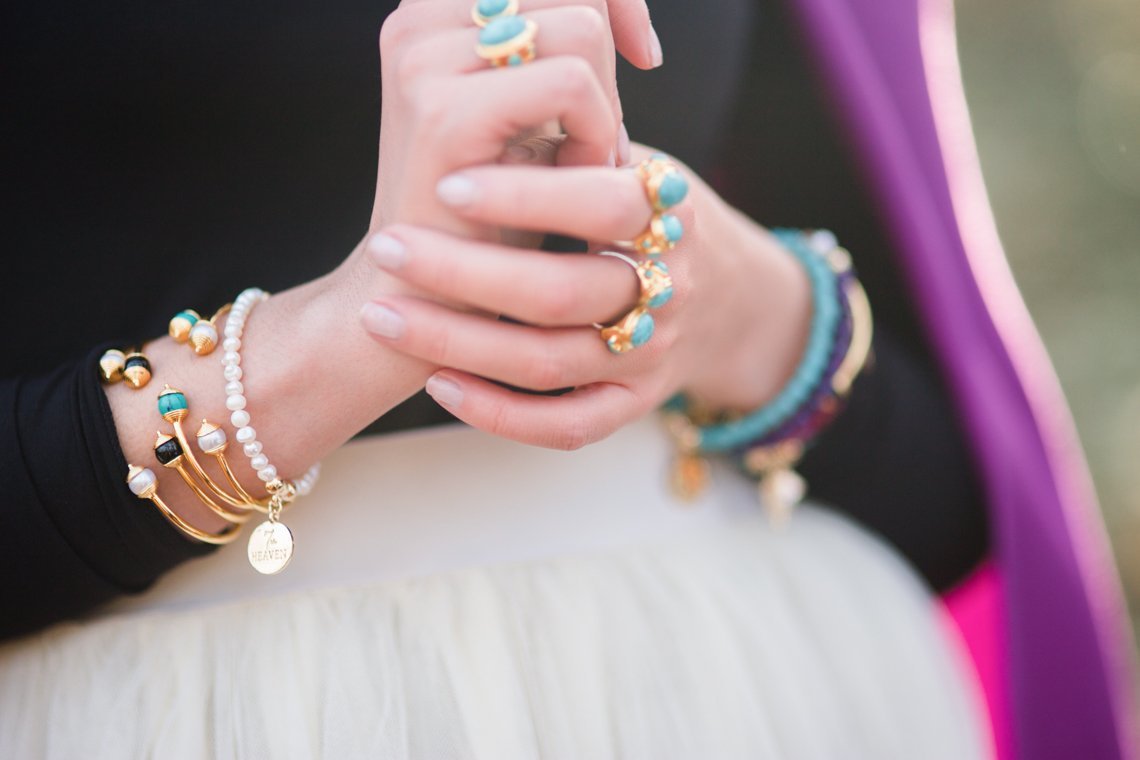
column 637, row 326
column 507, row 41
column 484, row 12
column 665, row 187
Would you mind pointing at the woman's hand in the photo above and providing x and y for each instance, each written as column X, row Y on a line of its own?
column 443, row 107
column 731, row 335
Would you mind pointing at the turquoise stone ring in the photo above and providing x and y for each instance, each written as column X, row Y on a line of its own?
column 486, row 11
column 507, row 40
column 636, row 327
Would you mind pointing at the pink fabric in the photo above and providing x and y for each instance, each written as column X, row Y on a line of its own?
column 974, row 609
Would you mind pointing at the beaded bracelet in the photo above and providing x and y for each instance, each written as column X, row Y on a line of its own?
column 773, row 438
column 271, row 544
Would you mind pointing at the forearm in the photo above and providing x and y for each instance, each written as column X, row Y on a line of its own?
column 303, row 354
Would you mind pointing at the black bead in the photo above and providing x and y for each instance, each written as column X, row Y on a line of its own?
column 137, row 360
column 167, row 451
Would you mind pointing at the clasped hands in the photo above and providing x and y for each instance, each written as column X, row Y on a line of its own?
column 455, row 183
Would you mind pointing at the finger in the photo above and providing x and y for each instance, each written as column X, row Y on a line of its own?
column 540, row 359
column 547, row 289
column 579, row 30
column 477, row 114
column 589, row 203
column 633, row 32
column 568, row 30
column 568, row 422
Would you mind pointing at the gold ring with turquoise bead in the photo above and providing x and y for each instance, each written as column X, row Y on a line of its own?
column 507, row 41
column 665, row 185
column 484, row 12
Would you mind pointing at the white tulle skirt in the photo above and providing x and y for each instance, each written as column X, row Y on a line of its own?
column 457, row 596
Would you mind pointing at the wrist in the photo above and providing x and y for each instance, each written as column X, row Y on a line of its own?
column 765, row 325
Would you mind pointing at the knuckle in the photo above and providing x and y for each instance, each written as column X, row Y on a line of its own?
column 576, row 82
column 430, row 109
column 410, row 65
column 436, row 344
column 393, row 31
column 548, row 372
column 585, row 27
column 573, row 435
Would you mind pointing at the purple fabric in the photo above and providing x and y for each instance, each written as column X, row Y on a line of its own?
column 1068, row 643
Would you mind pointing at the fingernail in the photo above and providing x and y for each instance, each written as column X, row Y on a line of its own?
column 444, row 391
column 387, row 252
column 655, row 54
column 382, row 321
column 623, row 145
column 456, row 190
column 520, row 153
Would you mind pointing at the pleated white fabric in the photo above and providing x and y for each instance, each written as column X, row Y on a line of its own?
column 710, row 637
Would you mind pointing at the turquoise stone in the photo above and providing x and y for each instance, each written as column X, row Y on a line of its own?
column 673, row 227
column 514, row 60
column 191, row 318
column 502, row 30
column 672, row 190
column 643, row 331
column 661, row 298
column 488, row 8
column 169, row 402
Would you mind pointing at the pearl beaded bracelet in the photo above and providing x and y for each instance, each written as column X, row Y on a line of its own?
column 235, row 395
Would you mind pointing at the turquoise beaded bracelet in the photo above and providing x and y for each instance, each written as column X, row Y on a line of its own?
column 810, row 249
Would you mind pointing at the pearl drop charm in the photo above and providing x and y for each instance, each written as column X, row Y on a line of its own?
column 142, row 481
column 203, row 337
column 211, row 438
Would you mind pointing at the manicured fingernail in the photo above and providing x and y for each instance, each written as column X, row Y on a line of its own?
column 387, row 252
column 444, row 391
column 655, row 54
column 623, row 145
column 382, row 321
column 522, row 154
column 456, row 190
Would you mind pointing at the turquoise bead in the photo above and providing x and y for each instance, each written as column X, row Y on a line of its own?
column 188, row 316
column 673, row 227
column 502, row 30
column 514, row 60
column 643, row 331
column 488, row 8
column 672, row 190
column 661, row 298
column 169, row 402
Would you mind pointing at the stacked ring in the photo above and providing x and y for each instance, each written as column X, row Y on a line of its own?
column 665, row 187
column 484, row 12
column 507, row 41
column 637, row 326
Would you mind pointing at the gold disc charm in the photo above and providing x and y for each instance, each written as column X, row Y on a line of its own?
column 270, row 547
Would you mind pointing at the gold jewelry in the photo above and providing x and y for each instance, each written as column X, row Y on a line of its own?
column 144, row 485
column 136, row 370
column 212, row 441
column 111, row 366
column 665, row 187
column 630, row 332
column 484, row 12
column 655, row 290
column 202, row 334
column 507, row 41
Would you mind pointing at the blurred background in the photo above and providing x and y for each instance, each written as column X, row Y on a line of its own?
column 1054, row 93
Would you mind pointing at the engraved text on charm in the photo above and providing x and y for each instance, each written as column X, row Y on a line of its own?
column 270, row 547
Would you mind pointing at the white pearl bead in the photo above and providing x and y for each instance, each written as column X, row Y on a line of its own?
column 234, row 388
column 232, row 330
column 235, row 402
column 231, row 357
column 259, row 462
column 141, row 482
column 232, row 372
column 212, row 441
column 267, row 474
column 231, row 344
column 304, row 487
column 240, row 418
column 246, row 434
column 252, row 449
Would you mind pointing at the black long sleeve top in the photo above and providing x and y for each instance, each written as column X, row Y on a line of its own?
column 166, row 154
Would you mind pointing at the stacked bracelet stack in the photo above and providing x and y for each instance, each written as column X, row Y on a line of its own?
column 271, row 546
column 773, row 438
